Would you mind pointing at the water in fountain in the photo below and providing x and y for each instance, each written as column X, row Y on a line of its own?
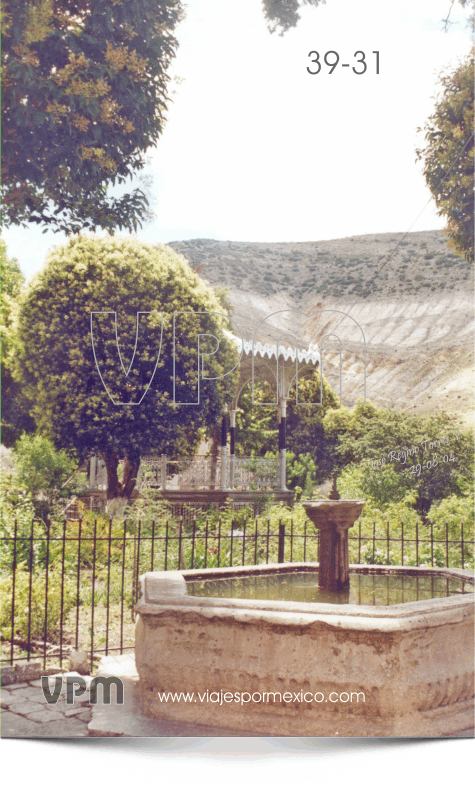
column 365, row 589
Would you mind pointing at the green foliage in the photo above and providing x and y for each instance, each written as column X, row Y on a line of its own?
column 222, row 295
column 15, row 417
column 447, row 518
column 382, row 540
column 40, row 467
column 284, row 14
column 448, row 155
column 59, row 590
column 419, row 450
column 57, row 363
column 380, row 488
column 84, row 95
column 389, row 536
column 301, row 471
column 12, row 277
column 17, row 506
column 305, row 428
column 257, row 426
column 103, row 540
column 394, row 531
column 346, row 425
column 206, row 535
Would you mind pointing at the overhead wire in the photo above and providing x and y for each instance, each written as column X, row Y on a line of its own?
column 393, row 252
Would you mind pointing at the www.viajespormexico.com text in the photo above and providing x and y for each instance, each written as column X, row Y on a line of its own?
column 224, row 696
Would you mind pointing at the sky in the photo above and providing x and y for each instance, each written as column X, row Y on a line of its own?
column 256, row 149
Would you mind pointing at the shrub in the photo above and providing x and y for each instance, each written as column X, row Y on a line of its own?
column 448, row 517
column 57, row 587
column 40, row 467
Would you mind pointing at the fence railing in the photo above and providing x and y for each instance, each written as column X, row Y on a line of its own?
column 198, row 473
column 75, row 585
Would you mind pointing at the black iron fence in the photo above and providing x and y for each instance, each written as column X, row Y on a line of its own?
column 74, row 585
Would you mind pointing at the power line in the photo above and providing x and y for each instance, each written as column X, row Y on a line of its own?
column 462, row 150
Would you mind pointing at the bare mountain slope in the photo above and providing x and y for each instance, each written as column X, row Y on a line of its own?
column 413, row 300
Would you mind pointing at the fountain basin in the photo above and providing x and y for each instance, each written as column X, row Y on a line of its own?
column 412, row 662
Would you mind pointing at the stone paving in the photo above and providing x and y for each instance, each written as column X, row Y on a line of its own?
column 26, row 713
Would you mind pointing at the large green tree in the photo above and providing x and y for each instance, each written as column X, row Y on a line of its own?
column 448, row 155
column 84, row 95
column 15, row 416
column 135, row 414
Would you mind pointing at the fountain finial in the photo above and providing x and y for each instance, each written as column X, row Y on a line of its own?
column 333, row 517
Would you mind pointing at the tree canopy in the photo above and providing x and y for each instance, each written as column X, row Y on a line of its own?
column 84, row 95
column 60, row 369
column 15, row 417
column 282, row 15
column 448, row 155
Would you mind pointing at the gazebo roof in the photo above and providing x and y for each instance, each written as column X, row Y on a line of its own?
column 259, row 360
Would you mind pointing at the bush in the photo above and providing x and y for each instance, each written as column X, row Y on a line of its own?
column 17, row 512
column 381, row 487
column 36, row 621
column 40, row 467
column 301, row 471
column 448, row 518
column 42, row 470
column 432, row 455
column 101, row 537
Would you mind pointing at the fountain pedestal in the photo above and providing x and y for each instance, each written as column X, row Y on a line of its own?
column 333, row 519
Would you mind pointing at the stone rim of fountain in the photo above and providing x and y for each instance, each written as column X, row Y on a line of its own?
column 181, row 639
column 167, row 590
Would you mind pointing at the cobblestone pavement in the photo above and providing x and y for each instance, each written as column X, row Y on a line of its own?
column 26, row 713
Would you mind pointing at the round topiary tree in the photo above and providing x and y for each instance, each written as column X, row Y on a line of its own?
column 110, row 396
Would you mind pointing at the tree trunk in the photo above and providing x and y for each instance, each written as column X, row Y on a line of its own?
column 111, row 461
column 118, row 493
column 129, row 479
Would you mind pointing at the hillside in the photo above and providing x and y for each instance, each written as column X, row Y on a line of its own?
column 416, row 313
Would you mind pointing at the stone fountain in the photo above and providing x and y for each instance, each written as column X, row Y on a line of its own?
column 411, row 664
column 333, row 518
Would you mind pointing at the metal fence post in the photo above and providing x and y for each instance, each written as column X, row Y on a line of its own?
column 280, row 557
